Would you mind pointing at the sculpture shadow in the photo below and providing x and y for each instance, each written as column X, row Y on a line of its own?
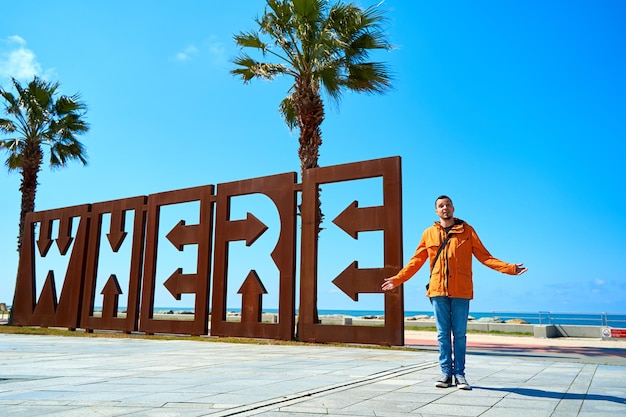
column 538, row 393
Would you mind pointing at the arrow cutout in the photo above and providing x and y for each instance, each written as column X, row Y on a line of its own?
column 116, row 233
column 65, row 234
column 355, row 219
column 182, row 235
column 179, row 283
column 111, row 293
column 353, row 280
column 248, row 229
column 45, row 237
column 252, row 291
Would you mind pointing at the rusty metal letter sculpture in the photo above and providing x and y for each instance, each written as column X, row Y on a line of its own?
column 75, row 306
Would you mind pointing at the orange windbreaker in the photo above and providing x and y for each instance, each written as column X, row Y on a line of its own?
column 452, row 274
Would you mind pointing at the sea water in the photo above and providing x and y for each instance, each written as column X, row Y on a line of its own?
column 541, row 317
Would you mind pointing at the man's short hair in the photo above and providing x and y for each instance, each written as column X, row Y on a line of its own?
column 441, row 197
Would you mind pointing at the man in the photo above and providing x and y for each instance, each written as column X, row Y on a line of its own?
column 450, row 244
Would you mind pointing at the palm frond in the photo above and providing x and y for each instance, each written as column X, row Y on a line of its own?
column 369, row 77
column 7, row 126
column 41, row 118
column 12, row 145
column 250, row 69
column 14, row 161
column 321, row 46
column 250, row 39
column 289, row 112
column 68, row 105
column 330, row 79
column 70, row 150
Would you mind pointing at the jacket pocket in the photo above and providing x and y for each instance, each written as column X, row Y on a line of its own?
column 461, row 285
column 462, row 248
column 463, row 241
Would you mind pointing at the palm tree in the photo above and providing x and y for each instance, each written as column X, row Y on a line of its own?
column 319, row 46
column 38, row 119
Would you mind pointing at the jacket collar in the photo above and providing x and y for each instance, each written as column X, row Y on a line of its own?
column 456, row 228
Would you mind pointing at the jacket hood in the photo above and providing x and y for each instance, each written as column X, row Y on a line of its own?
column 457, row 226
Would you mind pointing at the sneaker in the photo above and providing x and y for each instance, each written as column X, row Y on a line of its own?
column 461, row 383
column 444, row 382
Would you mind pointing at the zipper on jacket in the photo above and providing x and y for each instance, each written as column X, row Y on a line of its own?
column 447, row 271
column 444, row 269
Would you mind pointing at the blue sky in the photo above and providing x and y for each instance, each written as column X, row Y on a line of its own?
column 515, row 109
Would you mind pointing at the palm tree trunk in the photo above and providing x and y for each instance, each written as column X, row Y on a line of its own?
column 31, row 164
column 310, row 110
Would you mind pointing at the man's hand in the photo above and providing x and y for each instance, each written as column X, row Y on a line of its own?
column 388, row 284
column 519, row 269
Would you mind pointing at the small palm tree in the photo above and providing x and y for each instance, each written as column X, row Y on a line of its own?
column 320, row 46
column 38, row 119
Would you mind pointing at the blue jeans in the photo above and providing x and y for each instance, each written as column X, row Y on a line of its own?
column 451, row 319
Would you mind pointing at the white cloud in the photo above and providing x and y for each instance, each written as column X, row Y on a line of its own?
column 186, row 53
column 17, row 61
column 17, row 39
column 217, row 51
column 210, row 49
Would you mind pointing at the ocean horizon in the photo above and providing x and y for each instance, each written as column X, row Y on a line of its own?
column 617, row 320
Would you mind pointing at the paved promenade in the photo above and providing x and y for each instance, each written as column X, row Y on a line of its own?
column 511, row 376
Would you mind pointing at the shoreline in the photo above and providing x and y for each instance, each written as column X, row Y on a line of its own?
column 423, row 322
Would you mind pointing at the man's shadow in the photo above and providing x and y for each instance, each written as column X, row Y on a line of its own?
column 530, row 392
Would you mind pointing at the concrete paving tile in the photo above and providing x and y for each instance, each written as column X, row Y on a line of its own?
column 187, row 378
column 96, row 410
column 468, row 398
column 300, row 410
column 422, row 389
column 32, row 410
column 361, row 394
column 29, row 395
column 483, row 391
column 299, row 413
column 112, row 396
column 382, row 407
column 423, row 398
column 232, row 400
column 171, row 412
column 528, row 404
column 569, row 407
column 608, row 393
column 165, row 397
column 335, row 401
column 516, row 412
column 615, row 408
column 452, row 410
column 379, row 386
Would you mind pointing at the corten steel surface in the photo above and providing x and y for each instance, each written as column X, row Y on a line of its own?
column 75, row 305
column 179, row 282
column 354, row 280
column 48, row 311
column 116, row 234
column 280, row 189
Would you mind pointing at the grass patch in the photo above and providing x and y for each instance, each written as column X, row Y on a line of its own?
column 112, row 334
column 62, row 332
column 501, row 333
column 419, row 328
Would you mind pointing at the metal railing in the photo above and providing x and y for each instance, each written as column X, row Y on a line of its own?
column 616, row 320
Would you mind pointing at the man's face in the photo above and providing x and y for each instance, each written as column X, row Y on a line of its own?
column 444, row 208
